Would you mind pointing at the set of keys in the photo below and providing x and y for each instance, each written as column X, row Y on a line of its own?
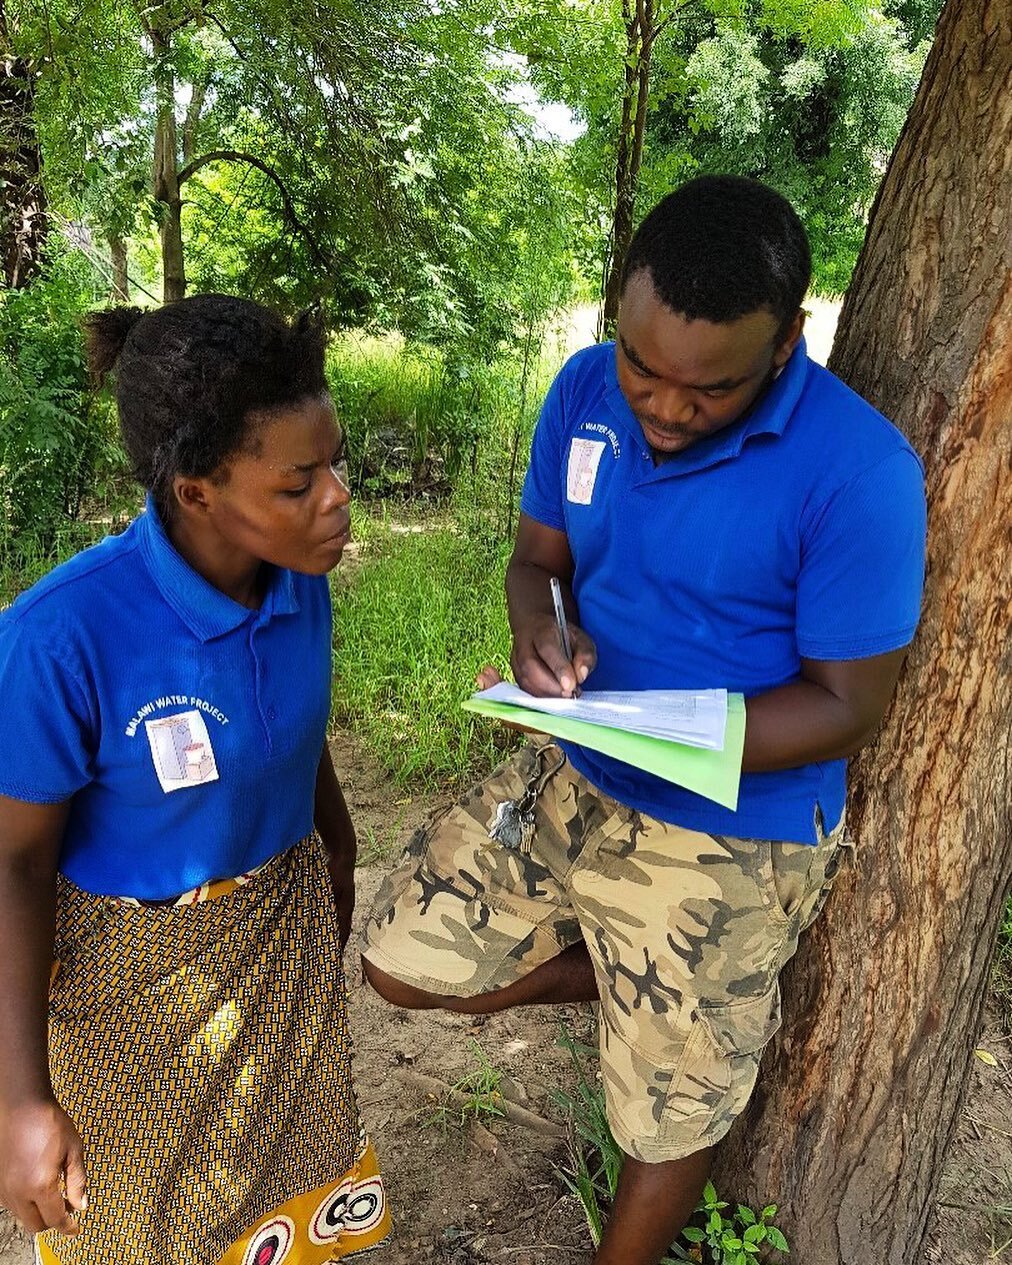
column 513, row 822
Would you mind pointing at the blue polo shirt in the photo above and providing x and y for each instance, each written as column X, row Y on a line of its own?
column 798, row 532
column 185, row 729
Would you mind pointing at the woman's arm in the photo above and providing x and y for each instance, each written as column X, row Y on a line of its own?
column 42, row 1178
column 334, row 825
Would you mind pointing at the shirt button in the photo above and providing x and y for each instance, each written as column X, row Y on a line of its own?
column 271, row 713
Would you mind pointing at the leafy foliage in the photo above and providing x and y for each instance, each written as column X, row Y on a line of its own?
column 808, row 97
column 58, row 443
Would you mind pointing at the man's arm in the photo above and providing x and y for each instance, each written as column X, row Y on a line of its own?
column 832, row 712
column 334, row 826
column 39, row 1145
column 539, row 665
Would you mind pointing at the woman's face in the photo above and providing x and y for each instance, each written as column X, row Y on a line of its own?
column 284, row 499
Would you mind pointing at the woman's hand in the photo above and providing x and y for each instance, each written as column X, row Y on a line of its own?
column 341, row 864
column 42, row 1177
column 334, row 826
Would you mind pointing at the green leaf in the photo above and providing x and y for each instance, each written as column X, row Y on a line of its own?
column 769, row 1212
column 755, row 1233
column 745, row 1215
column 776, row 1238
column 709, row 1194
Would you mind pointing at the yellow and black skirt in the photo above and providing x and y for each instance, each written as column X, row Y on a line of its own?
column 202, row 1050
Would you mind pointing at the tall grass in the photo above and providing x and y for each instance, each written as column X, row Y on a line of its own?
column 420, row 615
column 421, row 426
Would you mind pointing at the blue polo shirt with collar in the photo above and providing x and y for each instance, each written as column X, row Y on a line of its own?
column 797, row 532
column 185, row 729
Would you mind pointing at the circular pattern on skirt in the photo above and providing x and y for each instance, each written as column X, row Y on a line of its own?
column 353, row 1208
column 271, row 1243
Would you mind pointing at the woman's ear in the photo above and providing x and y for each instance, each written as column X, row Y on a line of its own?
column 193, row 495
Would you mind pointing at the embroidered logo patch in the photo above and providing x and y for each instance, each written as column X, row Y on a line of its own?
column 181, row 750
column 581, row 473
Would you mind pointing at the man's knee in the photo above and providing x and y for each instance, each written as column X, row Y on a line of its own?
column 409, row 997
column 397, row 992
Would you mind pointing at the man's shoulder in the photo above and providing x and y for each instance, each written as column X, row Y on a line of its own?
column 853, row 433
column 587, row 374
column 582, row 382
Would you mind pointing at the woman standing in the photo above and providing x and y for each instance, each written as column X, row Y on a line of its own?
column 176, row 856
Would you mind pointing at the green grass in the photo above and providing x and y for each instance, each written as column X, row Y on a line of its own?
column 416, row 421
column 477, row 1095
column 412, row 625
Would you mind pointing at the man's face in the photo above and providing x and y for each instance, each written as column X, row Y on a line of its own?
column 685, row 380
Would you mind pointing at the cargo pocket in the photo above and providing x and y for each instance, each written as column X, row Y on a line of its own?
column 720, row 1071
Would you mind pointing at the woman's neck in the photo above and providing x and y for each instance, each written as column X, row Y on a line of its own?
column 235, row 573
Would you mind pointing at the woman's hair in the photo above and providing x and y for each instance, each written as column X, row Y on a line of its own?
column 193, row 380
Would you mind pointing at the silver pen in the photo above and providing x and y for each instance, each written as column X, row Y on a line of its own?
column 560, row 619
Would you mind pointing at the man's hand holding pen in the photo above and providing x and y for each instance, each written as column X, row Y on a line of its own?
column 539, row 661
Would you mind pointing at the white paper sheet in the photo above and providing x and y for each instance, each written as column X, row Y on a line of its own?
column 697, row 718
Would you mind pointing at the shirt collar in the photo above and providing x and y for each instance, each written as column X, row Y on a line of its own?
column 205, row 610
column 768, row 416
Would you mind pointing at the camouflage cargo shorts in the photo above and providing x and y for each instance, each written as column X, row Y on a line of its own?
column 687, row 932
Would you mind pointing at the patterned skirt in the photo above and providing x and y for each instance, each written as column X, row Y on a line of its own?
column 202, row 1050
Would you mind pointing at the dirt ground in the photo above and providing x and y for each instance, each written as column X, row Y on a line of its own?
column 491, row 1192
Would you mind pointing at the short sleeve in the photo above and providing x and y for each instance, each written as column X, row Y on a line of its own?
column 862, row 564
column 541, row 498
column 45, row 721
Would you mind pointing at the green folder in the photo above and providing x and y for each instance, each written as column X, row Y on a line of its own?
column 714, row 774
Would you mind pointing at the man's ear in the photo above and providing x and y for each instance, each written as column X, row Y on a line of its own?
column 790, row 340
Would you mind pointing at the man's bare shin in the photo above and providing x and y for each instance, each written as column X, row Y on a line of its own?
column 652, row 1206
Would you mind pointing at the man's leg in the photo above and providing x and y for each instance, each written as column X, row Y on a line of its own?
column 652, row 1206
column 568, row 977
column 654, row 1201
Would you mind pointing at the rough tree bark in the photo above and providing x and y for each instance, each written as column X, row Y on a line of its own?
column 23, row 221
column 861, row 1091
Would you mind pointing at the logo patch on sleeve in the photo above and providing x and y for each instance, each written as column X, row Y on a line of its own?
column 581, row 473
column 181, row 750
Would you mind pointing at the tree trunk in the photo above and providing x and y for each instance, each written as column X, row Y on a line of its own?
column 639, row 41
column 165, row 177
column 23, row 222
column 861, row 1091
column 120, row 291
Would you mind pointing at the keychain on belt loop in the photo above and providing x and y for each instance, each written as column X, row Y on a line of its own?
column 513, row 823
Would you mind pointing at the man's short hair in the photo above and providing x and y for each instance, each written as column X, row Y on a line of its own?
column 721, row 247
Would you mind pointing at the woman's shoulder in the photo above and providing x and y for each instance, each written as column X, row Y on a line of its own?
column 311, row 591
column 68, row 594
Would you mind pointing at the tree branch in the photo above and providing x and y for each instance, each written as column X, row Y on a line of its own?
column 236, row 156
column 194, row 110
